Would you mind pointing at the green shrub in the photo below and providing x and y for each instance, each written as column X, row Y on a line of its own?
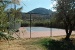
column 24, row 24
column 57, row 45
column 45, row 41
column 43, row 23
column 38, row 24
column 5, row 36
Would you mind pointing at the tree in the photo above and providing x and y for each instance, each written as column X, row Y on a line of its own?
column 15, row 16
column 3, row 15
column 3, row 19
column 66, row 14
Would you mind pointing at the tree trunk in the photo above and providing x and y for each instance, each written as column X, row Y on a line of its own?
column 68, row 29
column 67, row 36
column 68, row 33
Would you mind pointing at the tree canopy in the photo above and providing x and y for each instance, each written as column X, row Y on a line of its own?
column 66, row 14
column 4, row 17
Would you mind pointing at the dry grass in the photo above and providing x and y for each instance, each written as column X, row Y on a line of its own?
column 11, row 45
column 23, row 44
column 26, row 44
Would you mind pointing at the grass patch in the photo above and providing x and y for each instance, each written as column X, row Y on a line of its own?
column 38, row 44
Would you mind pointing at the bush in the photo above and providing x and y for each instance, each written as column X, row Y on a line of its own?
column 38, row 24
column 24, row 24
column 57, row 45
column 45, row 41
column 44, row 23
column 5, row 36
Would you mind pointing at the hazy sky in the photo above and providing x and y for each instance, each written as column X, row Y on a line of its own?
column 29, row 5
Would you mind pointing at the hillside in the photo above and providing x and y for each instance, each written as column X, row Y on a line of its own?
column 40, row 11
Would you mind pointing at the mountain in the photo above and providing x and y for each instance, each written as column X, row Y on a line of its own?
column 40, row 11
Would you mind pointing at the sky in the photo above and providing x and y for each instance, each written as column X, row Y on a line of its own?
column 29, row 5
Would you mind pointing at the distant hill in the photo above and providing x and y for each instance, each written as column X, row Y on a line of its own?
column 40, row 11
column 38, row 14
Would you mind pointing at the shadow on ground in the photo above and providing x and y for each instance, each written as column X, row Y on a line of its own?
column 59, row 44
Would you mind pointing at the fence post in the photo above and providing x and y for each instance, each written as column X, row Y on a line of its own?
column 51, row 30
column 30, row 25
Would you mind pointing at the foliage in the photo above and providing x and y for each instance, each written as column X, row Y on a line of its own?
column 24, row 24
column 2, row 35
column 42, row 23
column 5, row 36
column 4, row 2
column 56, row 23
column 57, row 45
column 66, row 14
column 3, row 19
column 45, row 41
column 5, row 16
column 16, row 13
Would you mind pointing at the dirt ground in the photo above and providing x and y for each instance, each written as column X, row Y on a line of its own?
column 23, row 33
column 26, row 44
